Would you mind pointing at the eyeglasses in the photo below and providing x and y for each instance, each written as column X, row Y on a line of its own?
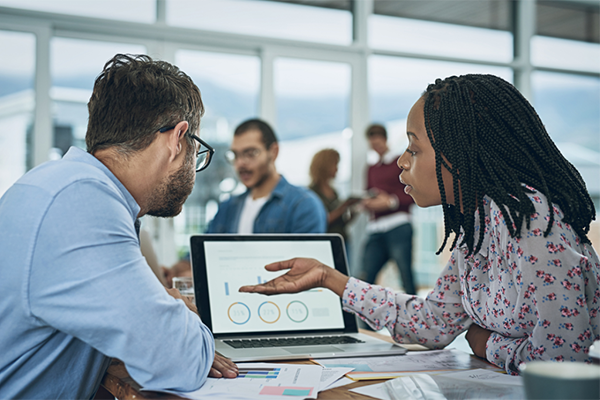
column 203, row 157
column 246, row 155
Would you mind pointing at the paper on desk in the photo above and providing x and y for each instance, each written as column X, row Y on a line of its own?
column 378, row 391
column 474, row 384
column 331, row 375
column 262, row 381
column 340, row 382
column 418, row 361
column 486, row 376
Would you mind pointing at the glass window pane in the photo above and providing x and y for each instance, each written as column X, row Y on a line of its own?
column 17, row 101
column 72, row 83
column 396, row 83
column 425, row 37
column 230, row 86
column 562, row 53
column 130, row 10
column 569, row 106
column 312, row 103
column 263, row 18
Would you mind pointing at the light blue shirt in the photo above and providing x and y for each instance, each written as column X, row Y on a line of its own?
column 76, row 290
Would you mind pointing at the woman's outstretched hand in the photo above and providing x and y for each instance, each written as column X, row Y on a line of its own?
column 303, row 274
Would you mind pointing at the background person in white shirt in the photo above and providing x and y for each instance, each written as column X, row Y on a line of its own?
column 271, row 204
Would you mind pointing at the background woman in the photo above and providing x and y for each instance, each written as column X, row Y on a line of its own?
column 323, row 169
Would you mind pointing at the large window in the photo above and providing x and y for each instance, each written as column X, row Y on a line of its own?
column 312, row 103
column 72, row 85
column 426, row 37
column 569, row 106
column 263, row 18
column 396, row 83
column 16, row 104
column 562, row 53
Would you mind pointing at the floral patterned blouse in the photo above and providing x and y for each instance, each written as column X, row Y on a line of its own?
column 539, row 295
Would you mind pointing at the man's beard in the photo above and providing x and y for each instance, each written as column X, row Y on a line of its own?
column 167, row 200
column 266, row 173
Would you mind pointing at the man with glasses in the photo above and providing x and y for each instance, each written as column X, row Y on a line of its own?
column 271, row 204
column 75, row 288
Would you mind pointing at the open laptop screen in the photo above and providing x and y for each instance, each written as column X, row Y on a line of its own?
column 231, row 262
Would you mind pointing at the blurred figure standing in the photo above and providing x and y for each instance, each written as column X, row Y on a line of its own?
column 389, row 227
column 270, row 204
column 323, row 169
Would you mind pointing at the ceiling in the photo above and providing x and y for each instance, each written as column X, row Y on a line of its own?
column 567, row 19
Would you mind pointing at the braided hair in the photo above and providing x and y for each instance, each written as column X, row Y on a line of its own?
column 493, row 142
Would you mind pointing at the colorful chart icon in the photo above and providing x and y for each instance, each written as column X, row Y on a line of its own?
column 259, row 373
column 238, row 313
column 269, row 312
column 297, row 311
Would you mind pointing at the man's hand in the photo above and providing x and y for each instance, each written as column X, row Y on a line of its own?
column 175, row 293
column 303, row 274
column 223, row 368
column 477, row 338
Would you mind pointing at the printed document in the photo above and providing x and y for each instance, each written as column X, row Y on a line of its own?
column 418, row 361
column 262, row 381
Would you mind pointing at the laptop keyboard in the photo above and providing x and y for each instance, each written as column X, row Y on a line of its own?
column 287, row 342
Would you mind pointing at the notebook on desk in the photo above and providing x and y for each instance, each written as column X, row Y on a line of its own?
column 254, row 327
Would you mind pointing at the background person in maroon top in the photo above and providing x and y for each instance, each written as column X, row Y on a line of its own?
column 389, row 227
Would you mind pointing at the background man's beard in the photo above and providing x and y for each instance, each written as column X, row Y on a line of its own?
column 168, row 199
column 261, row 180
column 263, row 177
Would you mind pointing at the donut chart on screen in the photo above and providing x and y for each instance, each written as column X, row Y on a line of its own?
column 238, row 313
column 269, row 312
column 297, row 311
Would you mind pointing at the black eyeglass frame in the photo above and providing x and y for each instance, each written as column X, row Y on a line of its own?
column 209, row 148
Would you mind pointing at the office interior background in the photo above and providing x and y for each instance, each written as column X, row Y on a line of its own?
column 318, row 70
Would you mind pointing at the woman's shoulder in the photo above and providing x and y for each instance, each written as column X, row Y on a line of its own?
column 538, row 200
column 535, row 225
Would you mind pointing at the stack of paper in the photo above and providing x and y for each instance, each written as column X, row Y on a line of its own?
column 462, row 385
column 269, row 381
column 388, row 367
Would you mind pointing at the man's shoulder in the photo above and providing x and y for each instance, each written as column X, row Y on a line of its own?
column 297, row 193
column 54, row 176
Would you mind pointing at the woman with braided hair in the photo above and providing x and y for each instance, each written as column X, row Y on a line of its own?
column 523, row 278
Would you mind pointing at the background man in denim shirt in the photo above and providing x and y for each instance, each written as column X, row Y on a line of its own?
column 271, row 204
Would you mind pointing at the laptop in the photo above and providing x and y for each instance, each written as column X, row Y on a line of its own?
column 255, row 327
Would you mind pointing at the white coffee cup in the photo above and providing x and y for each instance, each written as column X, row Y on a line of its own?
column 561, row 380
column 595, row 352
